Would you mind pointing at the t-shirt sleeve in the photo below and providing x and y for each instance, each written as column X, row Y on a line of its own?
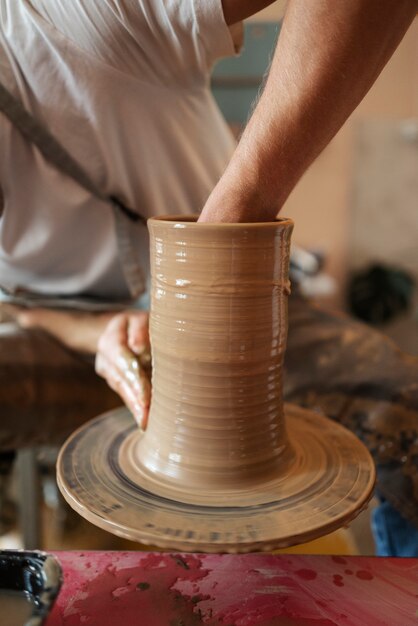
column 214, row 36
column 179, row 38
column 157, row 40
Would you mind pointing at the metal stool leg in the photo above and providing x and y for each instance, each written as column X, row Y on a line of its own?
column 7, row 504
column 29, row 489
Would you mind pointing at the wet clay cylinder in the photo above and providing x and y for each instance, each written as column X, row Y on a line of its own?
column 218, row 329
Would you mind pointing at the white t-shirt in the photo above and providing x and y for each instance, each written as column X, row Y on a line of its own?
column 124, row 86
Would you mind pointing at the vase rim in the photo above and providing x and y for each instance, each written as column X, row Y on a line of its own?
column 183, row 221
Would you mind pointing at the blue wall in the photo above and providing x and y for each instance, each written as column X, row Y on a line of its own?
column 236, row 81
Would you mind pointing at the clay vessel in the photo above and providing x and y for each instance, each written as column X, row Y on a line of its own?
column 218, row 329
column 222, row 466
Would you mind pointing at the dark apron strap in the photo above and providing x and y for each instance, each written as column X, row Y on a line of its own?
column 58, row 156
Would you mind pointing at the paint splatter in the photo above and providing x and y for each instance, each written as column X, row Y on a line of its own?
column 234, row 590
column 306, row 574
column 364, row 575
column 155, row 581
column 143, row 586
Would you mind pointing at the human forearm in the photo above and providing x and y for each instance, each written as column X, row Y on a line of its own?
column 329, row 54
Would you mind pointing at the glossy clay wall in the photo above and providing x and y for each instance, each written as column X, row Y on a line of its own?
column 218, row 331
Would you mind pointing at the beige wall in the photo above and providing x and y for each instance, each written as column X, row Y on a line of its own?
column 320, row 204
column 273, row 12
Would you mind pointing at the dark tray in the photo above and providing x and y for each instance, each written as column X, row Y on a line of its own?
column 37, row 576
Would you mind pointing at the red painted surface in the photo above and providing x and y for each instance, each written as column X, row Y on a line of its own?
column 156, row 589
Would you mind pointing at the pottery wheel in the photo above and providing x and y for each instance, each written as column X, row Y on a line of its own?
column 327, row 482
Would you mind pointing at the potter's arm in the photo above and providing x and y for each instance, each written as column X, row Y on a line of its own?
column 120, row 342
column 329, row 54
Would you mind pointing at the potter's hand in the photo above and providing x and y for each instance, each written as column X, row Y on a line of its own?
column 123, row 360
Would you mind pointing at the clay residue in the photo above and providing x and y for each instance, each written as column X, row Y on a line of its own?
column 357, row 376
column 145, row 592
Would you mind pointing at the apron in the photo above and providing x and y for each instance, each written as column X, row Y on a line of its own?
column 125, row 218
